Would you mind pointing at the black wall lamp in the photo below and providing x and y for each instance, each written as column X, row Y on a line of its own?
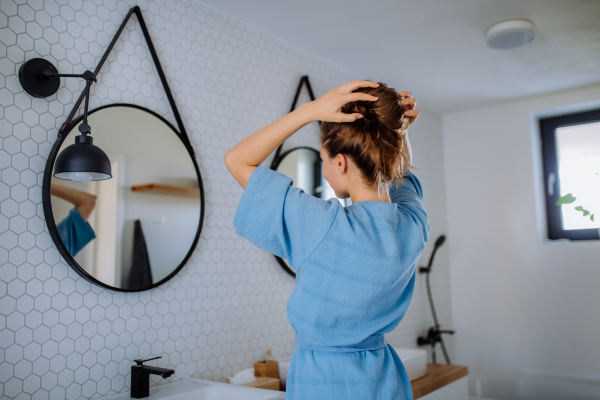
column 79, row 162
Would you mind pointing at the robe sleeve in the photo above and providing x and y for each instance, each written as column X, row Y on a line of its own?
column 409, row 198
column 282, row 219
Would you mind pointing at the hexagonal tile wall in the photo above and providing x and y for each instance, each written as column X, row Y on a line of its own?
column 62, row 337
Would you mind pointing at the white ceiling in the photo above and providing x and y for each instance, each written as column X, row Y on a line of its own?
column 436, row 48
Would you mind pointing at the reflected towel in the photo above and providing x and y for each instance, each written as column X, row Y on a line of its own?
column 140, row 274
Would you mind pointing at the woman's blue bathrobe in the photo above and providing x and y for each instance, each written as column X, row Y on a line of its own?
column 355, row 278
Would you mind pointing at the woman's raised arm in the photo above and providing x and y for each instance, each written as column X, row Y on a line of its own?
column 243, row 158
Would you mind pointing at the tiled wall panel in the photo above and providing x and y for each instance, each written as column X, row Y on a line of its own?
column 62, row 337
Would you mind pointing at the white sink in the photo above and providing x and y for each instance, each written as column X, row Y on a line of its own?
column 415, row 362
column 201, row 389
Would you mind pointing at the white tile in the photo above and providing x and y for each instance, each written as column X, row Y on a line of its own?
column 25, row 274
column 32, row 351
column 23, row 369
column 13, row 354
column 74, row 391
column 42, row 334
column 104, row 385
column 15, row 320
column 65, row 377
column 13, row 387
column 58, row 393
column 49, row 380
column 18, row 224
column 41, row 366
column 17, row 256
column 31, row 384
column 88, row 389
column 10, row 176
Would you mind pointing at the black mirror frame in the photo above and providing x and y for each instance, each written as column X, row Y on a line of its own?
column 67, row 126
column 47, row 203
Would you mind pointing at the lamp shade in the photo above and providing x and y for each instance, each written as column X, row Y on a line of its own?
column 82, row 162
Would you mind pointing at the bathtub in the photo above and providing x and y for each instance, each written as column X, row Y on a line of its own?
column 505, row 385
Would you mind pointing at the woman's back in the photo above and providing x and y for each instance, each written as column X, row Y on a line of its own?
column 355, row 279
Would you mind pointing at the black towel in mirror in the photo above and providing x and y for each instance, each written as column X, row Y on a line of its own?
column 140, row 275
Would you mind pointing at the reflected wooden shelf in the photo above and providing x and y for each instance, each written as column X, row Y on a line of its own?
column 172, row 190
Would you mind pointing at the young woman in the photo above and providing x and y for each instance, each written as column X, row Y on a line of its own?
column 355, row 265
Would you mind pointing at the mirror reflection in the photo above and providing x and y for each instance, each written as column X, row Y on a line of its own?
column 304, row 166
column 133, row 230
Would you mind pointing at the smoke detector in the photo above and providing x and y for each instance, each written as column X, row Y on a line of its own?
column 510, row 34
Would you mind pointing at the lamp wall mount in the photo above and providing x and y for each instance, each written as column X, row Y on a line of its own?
column 41, row 79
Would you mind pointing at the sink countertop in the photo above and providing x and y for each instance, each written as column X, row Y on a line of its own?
column 437, row 376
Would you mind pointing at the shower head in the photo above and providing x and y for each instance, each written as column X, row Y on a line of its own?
column 440, row 241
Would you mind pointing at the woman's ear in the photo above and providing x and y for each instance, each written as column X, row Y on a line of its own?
column 341, row 163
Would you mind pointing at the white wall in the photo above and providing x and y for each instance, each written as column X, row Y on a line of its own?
column 62, row 337
column 428, row 158
column 518, row 303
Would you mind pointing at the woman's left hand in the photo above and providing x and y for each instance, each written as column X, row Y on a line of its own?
column 328, row 108
column 409, row 106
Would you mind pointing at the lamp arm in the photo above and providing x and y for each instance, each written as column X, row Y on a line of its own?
column 89, row 77
column 88, row 83
column 47, row 73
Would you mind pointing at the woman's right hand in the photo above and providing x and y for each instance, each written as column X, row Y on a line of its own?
column 409, row 105
column 328, row 108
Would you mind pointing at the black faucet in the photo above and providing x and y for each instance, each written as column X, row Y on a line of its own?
column 140, row 377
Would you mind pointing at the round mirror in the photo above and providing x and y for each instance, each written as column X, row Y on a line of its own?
column 304, row 166
column 134, row 231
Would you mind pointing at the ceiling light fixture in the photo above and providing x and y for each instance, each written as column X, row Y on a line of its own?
column 510, row 34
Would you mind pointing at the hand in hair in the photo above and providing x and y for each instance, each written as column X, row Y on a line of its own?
column 328, row 108
column 409, row 105
column 243, row 158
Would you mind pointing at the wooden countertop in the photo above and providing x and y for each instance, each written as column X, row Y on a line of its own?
column 437, row 376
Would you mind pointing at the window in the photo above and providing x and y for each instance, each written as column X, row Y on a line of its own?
column 571, row 156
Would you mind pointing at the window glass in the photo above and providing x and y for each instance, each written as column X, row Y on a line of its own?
column 578, row 152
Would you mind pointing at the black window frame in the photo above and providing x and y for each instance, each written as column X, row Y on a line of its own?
column 548, row 128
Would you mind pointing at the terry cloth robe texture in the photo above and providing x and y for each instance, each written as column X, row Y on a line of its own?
column 75, row 232
column 140, row 274
column 355, row 278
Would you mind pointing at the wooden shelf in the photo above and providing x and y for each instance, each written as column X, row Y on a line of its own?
column 172, row 190
column 437, row 376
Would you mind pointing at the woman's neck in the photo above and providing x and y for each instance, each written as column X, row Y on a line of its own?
column 362, row 193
